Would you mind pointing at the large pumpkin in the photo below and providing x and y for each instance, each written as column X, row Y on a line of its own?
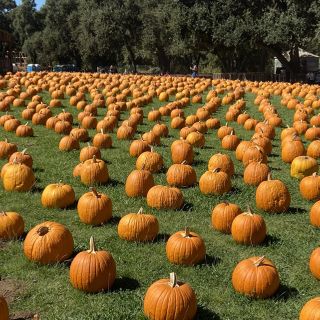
column 138, row 227
column 303, row 166
column 170, row 299
column 93, row 271
column 48, row 242
column 311, row 310
column 58, row 195
column 273, row 196
column 256, row 277
column 181, row 150
column 94, row 208
column 163, row 197
column 138, row 183
column 185, row 247
column 11, row 225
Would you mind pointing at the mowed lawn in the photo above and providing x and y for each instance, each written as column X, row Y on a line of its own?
column 46, row 290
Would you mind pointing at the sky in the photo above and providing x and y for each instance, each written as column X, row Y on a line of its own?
column 38, row 2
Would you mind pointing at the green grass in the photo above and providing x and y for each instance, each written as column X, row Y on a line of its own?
column 47, row 288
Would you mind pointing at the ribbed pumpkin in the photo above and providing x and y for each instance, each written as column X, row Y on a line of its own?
column 88, row 152
column 150, row 160
column 315, row 215
column 291, row 150
column 163, row 197
column 255, row 173
column 224, row 131
column 230, row 141
column 151, row 138
column 80, row 134
column 94, row 171
column 18, row 177
column 24, row 131
column 125, row 132
column 314, row 263
column 303, row 166
column 181, row 150
column 311, row 310
column 138, row 183
column 222, row 161
column 4, row 310
column 186, row 248
column 215, row 182
column 11, row 225
column 256, row 277
column 93, row 271
column 139, row 227
column 248, row 228
column 22, row 157
column 223, row 215
column 310, row 187
column 241, row 149
column 58, row 195
column 254, row 153
column 313, row 149
column 181, row 175
column 170, row 299
column 48, row 242
column 137, row 147
column 102, row 140
column 68, row 143
column 196, row 139
column 7, row 149
column 94, row 208
column 273, row 196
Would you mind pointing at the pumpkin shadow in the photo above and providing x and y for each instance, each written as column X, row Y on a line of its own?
column 270, row 241
column 234, row 190
column 204, row 313
column 114, row 183
column 36, row 189
column 285, row 292
column 125, row 284
column 73, row 206
column 114, row 221
column 273, row 155
column 38, row 170
column 275, row 169
column 199, row 162
column 161, row 238
column 187, row 207
column 295, row 210
column 209, row 261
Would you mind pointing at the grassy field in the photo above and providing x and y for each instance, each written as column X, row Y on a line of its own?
column 46, row 289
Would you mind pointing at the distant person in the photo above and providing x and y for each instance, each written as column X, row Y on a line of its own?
column 194, row 70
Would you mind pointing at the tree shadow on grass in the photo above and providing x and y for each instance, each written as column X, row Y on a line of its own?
column 285, row 292
column 125, row 284
column 205, row 314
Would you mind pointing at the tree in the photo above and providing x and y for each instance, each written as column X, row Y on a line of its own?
column 6, row 7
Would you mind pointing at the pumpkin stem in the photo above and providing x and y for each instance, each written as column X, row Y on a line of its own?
column 92, row 246
column 101, row 130
column 184, row 162
column 42, row 231
column 23, row 152
column 186, row 232
column 227, row 124
column 88, row 143
column 215, row 170
column 259, row 261
column 26, row 123
column 140, row 211
column 249, row 211
column 94, row 191
column 173, row 279
column 94, row 159
column 3, row 213
column 269, row 176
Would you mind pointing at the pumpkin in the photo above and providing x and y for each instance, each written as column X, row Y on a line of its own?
column 263, row 142
column 181, row 150
column 80, row 134
column 254, row 153
column 177, row 122
column 196, row 139
column 222, row 161
column 312, row 133
column 256, row 277
column 310, row 187
column 138, row 183
column 273, row 196
column 11, row 225
column 125, row 132
column 315, row 215
column 241, row 148
column 48, row 242
column 139, row 227
column 93, row 271
column 58, row 195
column 11, row 125
column 7, row 149
column 170, row 299
column 4, row 310
column 63, row 127
column 94, row 208
column 311, row 310
column 291, row 150
column 89, row 122
column 151, row 138
column 230, row 141
column 255, row 173
column 24, row 131
column 18, row 177
column 163, row 197
column 186, row 248
column 215, row 182
column 313, row 149
column 161, row 130
column 181, row 175
column 102, row 140
column 222, row 216
column 248, row 228
column 314, row 263
column 150, row 160
column 88, row 152
column 94, row 171
column 69, row 143
column 51, row 122
column 22, row 157
column 137, row 147
column 224, row 131
column 200, row 127
column 303, row 166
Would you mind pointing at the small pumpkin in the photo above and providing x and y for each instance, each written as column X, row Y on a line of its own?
column 315, row 215
column 186, row 248
column 181, row 175
column 196, row 139
column 102, row 140
column 291, row 150
column 94, row 208
column 310, row 187
column 58, row 195
column 139, row 227
column 170, row 299
column 138, row 183
column 94, row 171
column 303, row 166
column 48, row 242
column 230, row 141
column 22, row 157
column 11, row 225
column 255, row 173
column 256, row 277
column 224, row 131
column 7, row 149
column 181, row 150
column 150, row 160
column 254, row 153
column 24, row 131
column 222, row 161
column 88, row 152
column 93, row 271
column 163, row 197
column 222, row 216
column 313, row 149
column 68, row 143
column 215, row 182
